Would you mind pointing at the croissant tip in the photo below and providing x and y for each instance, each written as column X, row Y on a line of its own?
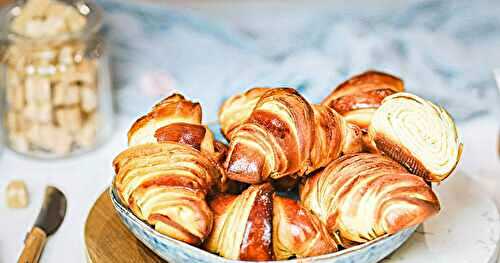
column 176, row 230
column 243, row 166
column 184, row 133
column 174, row 108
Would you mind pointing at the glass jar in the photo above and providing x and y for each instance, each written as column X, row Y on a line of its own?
column 56, row 78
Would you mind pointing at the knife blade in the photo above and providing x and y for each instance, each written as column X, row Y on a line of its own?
column 53, row 211
column 49, row 219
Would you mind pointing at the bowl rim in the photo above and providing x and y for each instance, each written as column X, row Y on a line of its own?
column 120, row 208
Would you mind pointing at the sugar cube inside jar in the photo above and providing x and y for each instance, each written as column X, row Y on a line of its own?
column 56, row 78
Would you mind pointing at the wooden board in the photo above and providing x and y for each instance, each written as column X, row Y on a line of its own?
column 107, row 239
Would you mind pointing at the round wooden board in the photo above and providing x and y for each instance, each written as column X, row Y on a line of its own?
column 108, row 240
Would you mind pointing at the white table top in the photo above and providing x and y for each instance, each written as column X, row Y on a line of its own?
column 466, row 211
column 82, row 179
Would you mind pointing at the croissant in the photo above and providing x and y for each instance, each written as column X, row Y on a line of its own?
column 173, row 119
column 285, row 135
column 258, row 225
column 165, row 185
column 176, row 119
column 242, row 226
column 418, row 134
column 364, row 196
column 358, row 97
column 297, row 232
column 171, row 165
column 236, row 109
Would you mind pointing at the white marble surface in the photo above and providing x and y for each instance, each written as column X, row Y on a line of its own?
column 84, row 178
column 468, row 221
column 438, row 47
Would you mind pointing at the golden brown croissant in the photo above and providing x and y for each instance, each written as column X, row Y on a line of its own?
column 243, row 223
column 363, row 196
column 358, row 97
column 297, row 232
column 236, row 109
column 418, row 134
column 257, row 225
column 172, row 164
column 166, row 184
column 176, row 119
column 285, row 135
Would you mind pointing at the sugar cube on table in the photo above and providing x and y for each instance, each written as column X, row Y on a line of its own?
column 17, row 194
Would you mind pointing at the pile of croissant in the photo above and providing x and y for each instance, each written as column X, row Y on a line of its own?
column 362, row 162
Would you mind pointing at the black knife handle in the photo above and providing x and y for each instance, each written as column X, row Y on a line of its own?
column 33, row 246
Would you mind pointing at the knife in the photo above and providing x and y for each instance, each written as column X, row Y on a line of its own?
column 48, row 221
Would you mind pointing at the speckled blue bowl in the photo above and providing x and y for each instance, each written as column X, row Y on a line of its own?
column 176, row 251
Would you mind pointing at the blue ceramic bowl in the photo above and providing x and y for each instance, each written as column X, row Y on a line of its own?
column 176, row 251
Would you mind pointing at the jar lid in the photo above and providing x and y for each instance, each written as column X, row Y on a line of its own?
column 87, row 8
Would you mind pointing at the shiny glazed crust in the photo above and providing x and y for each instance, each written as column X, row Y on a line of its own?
column 297, row 232
column 363, row 196
column 243, row 223
column 286, row 135
column 358, row 97
column 185, row 133
column 172, row 109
